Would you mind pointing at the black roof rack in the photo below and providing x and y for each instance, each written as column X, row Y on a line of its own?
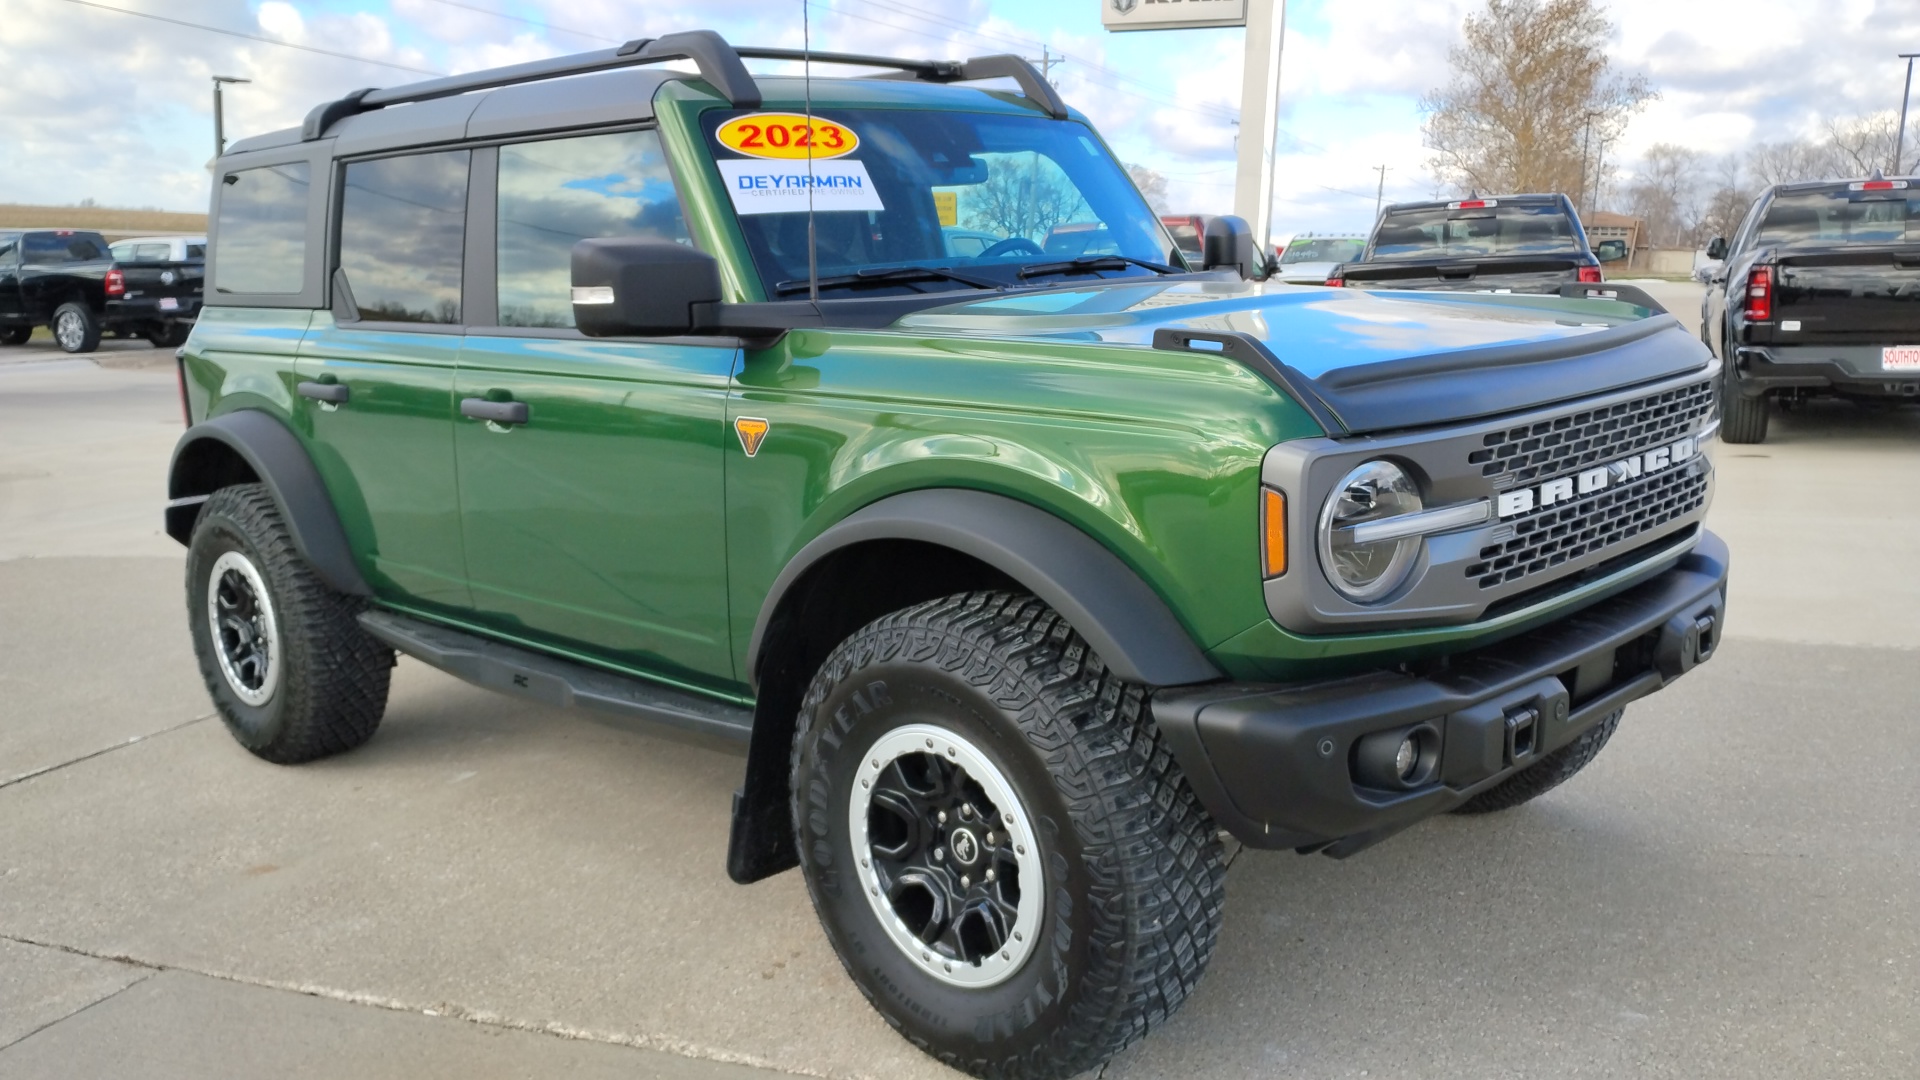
column 719, row 64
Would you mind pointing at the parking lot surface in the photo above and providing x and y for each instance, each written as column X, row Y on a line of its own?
column 491, row 888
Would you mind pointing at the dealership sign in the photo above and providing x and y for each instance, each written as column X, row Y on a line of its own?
column 1173, row 14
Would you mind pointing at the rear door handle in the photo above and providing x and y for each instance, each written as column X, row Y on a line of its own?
column 499, row 412
column 331, row 393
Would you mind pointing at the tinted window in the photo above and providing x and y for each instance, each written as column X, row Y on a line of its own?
column 403, row 234
column 1842, row 217
column 196, row 251
column 9, row 249
column 63, row 247
column 555, row 194
column 1322, row 250
column 262, row 232
column 1506, row 229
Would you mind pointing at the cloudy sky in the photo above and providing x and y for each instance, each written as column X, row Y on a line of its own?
column 102, row 104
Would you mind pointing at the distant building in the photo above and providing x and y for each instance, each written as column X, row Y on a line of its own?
column 1607, row 225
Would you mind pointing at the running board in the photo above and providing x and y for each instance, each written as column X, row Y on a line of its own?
column 552, row 681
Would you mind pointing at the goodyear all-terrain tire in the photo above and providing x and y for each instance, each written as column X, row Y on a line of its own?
column 997, row 841
column 290, row 670
column 1546, row 774
column 76, row 329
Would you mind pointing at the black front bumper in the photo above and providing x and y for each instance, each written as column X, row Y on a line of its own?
column 1282, row 766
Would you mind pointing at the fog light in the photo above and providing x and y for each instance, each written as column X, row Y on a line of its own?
column 1398, row 760
column 1407, row 758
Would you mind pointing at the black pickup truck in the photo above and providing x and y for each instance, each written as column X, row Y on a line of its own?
column 69, row 281
column 1819, row 295
column 1504, row 244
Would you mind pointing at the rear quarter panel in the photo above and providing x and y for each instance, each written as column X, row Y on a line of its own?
column 1154, row 454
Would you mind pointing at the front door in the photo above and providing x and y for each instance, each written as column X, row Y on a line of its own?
column 9, row 275
column 375, row 377
column 590, row 471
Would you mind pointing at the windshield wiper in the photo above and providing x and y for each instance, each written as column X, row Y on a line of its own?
column 892, row 275
column 1088, row 264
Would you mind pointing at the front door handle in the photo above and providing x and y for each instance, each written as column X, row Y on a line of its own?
column 497, row 412
column 331, row 393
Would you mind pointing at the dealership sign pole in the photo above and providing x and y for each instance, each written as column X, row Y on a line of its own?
column 1266, row 22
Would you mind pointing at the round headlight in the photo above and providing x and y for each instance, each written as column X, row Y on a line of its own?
column 1364, row 569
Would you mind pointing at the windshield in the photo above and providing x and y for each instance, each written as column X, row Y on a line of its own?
column 1325, row 250
column 1843, row 217
column 1505, row 229
column 994, row 200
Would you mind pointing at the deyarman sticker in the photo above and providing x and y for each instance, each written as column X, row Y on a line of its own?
column 780, row 187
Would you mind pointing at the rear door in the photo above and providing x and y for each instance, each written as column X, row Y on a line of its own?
column 593, row 521
column 9, row 276
column 374, row 379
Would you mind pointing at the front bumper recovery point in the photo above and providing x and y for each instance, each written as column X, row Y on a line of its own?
column 1297, row 766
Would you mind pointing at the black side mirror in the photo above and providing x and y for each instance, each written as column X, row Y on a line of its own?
column 626, row 286
column 1610, row 250
column 1228, row 243
column 1717, row 248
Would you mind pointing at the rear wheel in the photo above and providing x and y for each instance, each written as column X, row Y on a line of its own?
column 290, row 671
column 998, row 844
column 1546, row 774
column 75, row 327
column 1743, row 419
column 170, row 335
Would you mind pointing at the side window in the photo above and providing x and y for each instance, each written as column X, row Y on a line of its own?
column 556, row 193
column 9, row 250
column 262, row 230
column 52, row 248
column 196, row 251
column 403, row 235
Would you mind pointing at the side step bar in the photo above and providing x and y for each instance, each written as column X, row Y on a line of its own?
column 552, row 681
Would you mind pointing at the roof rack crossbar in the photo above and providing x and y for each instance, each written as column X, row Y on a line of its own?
column 719, row 63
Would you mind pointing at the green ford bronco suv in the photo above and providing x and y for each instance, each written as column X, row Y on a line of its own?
column 877, row 427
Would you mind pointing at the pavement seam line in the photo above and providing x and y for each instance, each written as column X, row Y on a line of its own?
column 63, row 1019
column 56, row 767
column 444, row 1010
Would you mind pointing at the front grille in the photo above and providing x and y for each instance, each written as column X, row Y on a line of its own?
column 1615, row 516
column 1515, row 456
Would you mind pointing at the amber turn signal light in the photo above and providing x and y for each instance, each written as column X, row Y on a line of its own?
column 1273, row 532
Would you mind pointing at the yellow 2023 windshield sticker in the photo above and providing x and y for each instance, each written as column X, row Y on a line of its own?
column 788, row 136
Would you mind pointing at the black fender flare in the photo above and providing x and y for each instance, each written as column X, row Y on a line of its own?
column 1100, row 596
column 275, row 455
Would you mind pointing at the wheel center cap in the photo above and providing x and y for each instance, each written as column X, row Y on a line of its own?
column 965, row 847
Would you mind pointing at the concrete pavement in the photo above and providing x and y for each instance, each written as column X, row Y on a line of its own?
column 490, row 888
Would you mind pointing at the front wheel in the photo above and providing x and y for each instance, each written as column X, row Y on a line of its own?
column 169, row 335
column 76, row 329
column 15, row 335
column 998, row 843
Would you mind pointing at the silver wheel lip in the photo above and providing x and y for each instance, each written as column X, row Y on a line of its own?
column 69, row 330
column 238, row 563
column 933, row 739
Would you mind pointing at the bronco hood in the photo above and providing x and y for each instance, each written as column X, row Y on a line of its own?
column 1362, row 361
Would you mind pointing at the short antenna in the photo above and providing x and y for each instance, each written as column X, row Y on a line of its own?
column 806, row 78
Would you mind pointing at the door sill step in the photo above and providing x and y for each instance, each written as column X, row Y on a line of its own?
column 552, row 681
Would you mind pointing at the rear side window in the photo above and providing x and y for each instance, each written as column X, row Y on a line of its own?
column 403, row 236
column 52, row 248
column 554, row 194
column 196, row 251
column 9, row 249
column 262, row 231
column 1505, row 229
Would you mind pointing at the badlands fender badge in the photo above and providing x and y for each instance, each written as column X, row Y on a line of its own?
column 752, row 431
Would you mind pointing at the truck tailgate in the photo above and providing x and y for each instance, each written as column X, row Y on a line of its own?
column 1861, row 296
column 1534, row 275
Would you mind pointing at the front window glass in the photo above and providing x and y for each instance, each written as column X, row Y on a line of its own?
column 557, row 193
column 403, row 236
column 995, row 200
column 262, row 230
column 1322, row 250
column 1506, row 229
column 51, row 248
column 1842, row 217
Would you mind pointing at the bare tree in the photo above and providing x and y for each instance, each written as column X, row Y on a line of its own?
column 1857, row 147
column 1532, row 101
column 1666, row 194
column 1729, row 202
column 1152, row 185
column 1024, row 195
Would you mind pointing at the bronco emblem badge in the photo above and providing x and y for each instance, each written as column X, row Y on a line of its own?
column 752, row 431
